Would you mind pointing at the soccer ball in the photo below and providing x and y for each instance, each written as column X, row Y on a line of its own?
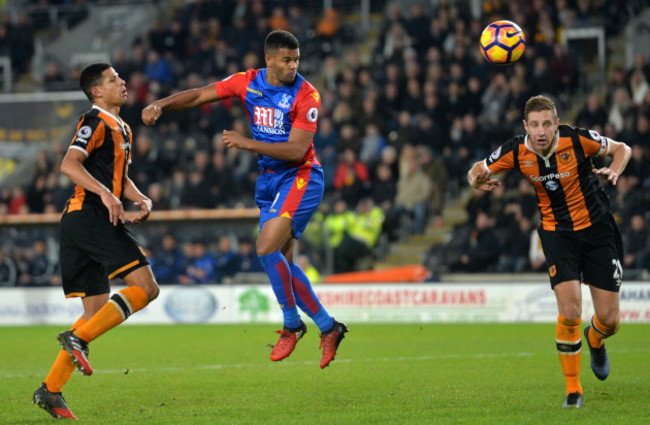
column 502, row 42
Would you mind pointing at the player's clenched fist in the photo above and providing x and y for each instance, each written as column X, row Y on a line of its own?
column 151, row 113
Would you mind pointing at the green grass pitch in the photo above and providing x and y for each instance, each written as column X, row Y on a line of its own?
column 383, row 374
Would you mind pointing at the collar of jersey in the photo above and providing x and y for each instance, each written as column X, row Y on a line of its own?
column 118, row 120
column 551, row 152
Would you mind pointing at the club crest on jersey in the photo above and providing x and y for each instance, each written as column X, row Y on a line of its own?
column 551, row 185
column 285, row 102
column 565, row 157
column 268, row 120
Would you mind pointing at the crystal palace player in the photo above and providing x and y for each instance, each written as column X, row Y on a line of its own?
column 579, row 236
column 95, row 246
column 283, row 109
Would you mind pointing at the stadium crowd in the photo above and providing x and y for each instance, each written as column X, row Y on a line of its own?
column 396, row 135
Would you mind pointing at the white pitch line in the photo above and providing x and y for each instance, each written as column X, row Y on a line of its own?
column 7, row 375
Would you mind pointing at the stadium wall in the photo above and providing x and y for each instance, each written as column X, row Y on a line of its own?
column 366, row 303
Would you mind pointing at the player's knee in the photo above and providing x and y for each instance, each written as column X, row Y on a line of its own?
column 152, row 290
column 264, row 248
column 609, row 319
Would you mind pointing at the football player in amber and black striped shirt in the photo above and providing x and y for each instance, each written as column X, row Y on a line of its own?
column 580, row 238
column 95, row 245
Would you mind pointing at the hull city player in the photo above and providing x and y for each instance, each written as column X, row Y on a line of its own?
column 95, row 246
column 579, row 236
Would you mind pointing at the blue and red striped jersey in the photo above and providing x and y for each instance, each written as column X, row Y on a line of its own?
column 274, row 110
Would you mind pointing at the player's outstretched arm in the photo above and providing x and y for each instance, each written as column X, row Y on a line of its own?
column 479, row 177
column 184, row 100
column 621, row 153
column 72, row 166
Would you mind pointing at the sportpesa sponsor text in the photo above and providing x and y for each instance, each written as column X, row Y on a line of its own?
column 549, row 176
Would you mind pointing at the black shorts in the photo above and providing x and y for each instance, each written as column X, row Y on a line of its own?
column 592, row 255
column 93, row 251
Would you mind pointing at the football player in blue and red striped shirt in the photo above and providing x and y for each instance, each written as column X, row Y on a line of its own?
column 283, row 111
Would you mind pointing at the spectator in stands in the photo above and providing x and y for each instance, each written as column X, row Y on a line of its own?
column 478, row 201
column 298, row 24
column 203, row 265
column 480, row 252
column 352, row 178
column 366, row 228
column 168, row 262
column 414, row 193
column 326, row 31
column 18, row 200
column 637, row 167
column 219, row 177
column 278, row 19
column 640, row 135
column 8, row 270
column 627, row 200
column 312, row 272
column 638, row 86
column 53, row 80
column 22, row 43
column 158, row 196
column 636, row 243
column 175, row 188
column 621, row 111
column 371, row 145
column 227, row 263
column 563, row 70
column 383, row 187
column 196, row 192
column 494, row 101
column 36, row 195
column 335, row 227
column 247, row 257
column 436, row 170
column 593, row 114
column 158, row 69
column 515, row 245
column 40, row 267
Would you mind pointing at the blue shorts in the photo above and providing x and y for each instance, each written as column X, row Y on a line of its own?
column 295, row 193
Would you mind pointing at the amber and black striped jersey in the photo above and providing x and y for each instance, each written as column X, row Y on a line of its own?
column 569, row 195
column 106, row 141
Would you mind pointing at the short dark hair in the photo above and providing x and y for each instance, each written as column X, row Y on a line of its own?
column 279, row 39
column 92, row 76
column 539, row 103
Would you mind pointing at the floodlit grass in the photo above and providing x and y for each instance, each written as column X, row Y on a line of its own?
column 383, row 374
